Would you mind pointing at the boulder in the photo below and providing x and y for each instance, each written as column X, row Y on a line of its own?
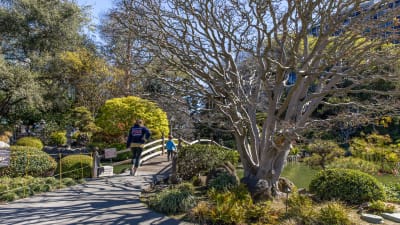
column 371, row 218
column 285, row 185
column 395, row 217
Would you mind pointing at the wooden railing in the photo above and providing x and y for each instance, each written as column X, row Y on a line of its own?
column 150, row 150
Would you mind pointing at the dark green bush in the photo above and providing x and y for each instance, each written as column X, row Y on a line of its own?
column 29, row 161
column 347, row 185
column 223, row 182
column 172, row 201
column 30, row 142
column 76, row 166
column 198, row 158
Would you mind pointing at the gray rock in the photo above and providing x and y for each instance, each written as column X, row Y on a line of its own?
column 371, row 218
column 395, row 217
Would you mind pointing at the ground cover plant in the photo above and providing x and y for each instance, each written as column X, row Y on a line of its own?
column 21, row 187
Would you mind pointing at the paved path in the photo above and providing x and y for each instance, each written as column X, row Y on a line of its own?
column 113, row 200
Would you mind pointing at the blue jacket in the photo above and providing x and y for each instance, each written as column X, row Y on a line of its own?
column 137, row 134
column 170, row 145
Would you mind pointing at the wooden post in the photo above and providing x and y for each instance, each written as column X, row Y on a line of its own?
column 162, row 144
column 179, row 143
column 96, row 160
column 173, row 177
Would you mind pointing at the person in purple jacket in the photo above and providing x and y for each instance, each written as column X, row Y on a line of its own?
column 137, row 137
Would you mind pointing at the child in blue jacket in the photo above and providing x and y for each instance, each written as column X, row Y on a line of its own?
column 171, row 148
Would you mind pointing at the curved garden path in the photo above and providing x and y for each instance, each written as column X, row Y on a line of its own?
column 113, row 200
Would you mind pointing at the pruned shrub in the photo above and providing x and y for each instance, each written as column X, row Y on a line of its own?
column 172, row 201
column 58, row 138
column 195, row 159
column 355, row 164
column 29, row 161
column 347, row 185
column 117, row 115
column 323, row 152
column 30, row 142
column 76, row 166
column 333, row 213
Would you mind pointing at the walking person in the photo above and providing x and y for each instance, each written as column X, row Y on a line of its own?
column 171, row 148
column 137, row 137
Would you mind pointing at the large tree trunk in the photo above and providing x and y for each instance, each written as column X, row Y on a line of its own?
column 262, row 179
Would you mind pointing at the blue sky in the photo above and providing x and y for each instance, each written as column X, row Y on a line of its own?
column 99, row 7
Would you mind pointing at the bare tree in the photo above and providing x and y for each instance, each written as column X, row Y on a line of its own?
column 245, row 53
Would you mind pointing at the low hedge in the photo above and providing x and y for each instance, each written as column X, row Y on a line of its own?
column 347, row 185
column 76, row 166
column 30, row 142
column 29, row 161
column 198, row 158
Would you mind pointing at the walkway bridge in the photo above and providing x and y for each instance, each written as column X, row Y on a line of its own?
column 152, row 150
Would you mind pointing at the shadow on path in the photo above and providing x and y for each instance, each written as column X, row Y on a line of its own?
column 113, row 200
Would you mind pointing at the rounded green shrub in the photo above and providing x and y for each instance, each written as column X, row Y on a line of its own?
column 198, row 158
column 29, row 161
column 117, row 115
column 75, row 166
column 58, row 138
column 347, row 185
column 30, row 142
column 172, row 201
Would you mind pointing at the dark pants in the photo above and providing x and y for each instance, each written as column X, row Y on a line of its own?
column 136, row 154
column 170, row 154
